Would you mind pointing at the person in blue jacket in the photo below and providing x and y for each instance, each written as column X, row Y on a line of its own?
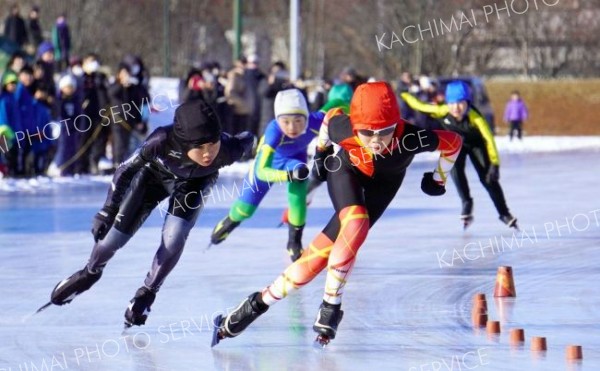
column 10, row 119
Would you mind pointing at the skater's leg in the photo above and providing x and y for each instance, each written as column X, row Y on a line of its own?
column 460, row 178
column 482, row 164
column 520, row 130
column 297, row 192
column 355, row 221
column 174, row 235
column 144, row 195
column 137, row 205
column 302, row 271
column 185, row 204
column 354, row 227
column 294, row 277
column 106, row 248
column 296, row 218
column 253, row 192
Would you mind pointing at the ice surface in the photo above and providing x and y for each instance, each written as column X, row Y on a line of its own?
column 407, row 305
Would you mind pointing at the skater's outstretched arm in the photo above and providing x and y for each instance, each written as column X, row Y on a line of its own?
column 434, row 110
column 264, row 158
column 272, row 139
column 477, row 120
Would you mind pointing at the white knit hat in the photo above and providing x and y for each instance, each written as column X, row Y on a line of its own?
column 67, row 80
column 290, row 102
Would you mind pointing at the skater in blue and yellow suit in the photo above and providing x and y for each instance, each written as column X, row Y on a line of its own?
column 281, row 157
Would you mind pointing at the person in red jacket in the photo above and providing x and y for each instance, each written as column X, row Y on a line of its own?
column 362, row 178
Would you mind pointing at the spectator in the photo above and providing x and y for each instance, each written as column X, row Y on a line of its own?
column 318, row 96
column 351, row 77
column 14, row 27
column 515, row 114
column 67, row 109
column 235, row 92
column 23, row 97
column 61, row 38
column 76, row 70
column 140, row 78
column 45, row 62
column 35, row 30
column 126, row 101
column 253, row 77
column 192, row 86
column 95, row 97
column 139, row 73
column 9, row 115
column 220, row 104
column 6, row 138
column 16, row 62
column 404, row 83
column 41, row 147
column 278, row 80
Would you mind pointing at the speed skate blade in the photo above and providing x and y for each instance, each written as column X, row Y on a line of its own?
column 43, row 307
column 321, row 341
column 216, row 327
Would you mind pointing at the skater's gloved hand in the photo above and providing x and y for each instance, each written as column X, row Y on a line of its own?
column 102, row 222
column 493, row 174
column 248, row 142
column 431, row 186
column 299, row 173
column 319, row 170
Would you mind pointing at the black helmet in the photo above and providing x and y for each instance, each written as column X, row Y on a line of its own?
column 196, row 123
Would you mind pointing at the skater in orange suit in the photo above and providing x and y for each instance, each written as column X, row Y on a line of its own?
column 362, row 178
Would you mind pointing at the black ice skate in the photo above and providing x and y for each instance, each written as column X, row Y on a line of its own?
column 294, row 245
column 467, row 213
column 328, row 319
column 67, row 289
column 139, row 307
column 240, row 318
column 510, row 221
column 222, row 230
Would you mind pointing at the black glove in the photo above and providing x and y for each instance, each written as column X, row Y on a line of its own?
column 299, row 173
column 431, row 186
column 319, row 170
column 102, row 222
column 248, row 142
column 493, row 174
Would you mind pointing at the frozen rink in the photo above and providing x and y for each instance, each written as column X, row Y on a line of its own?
column 407, row 305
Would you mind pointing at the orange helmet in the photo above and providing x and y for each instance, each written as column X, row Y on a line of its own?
column 374, row 107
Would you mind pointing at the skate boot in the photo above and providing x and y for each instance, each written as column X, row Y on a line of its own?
column 294, row 245
column 328, row 319
column 222, row 230
column 241, row 317
column 467, row 213
column 510, row 221
column 67, row 289
column 139, row 307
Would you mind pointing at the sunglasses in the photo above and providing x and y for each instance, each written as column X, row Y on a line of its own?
column 381, row 132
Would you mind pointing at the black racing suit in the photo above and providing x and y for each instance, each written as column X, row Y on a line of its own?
column 159, row 169
column 474, row 146
column 478, row 144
